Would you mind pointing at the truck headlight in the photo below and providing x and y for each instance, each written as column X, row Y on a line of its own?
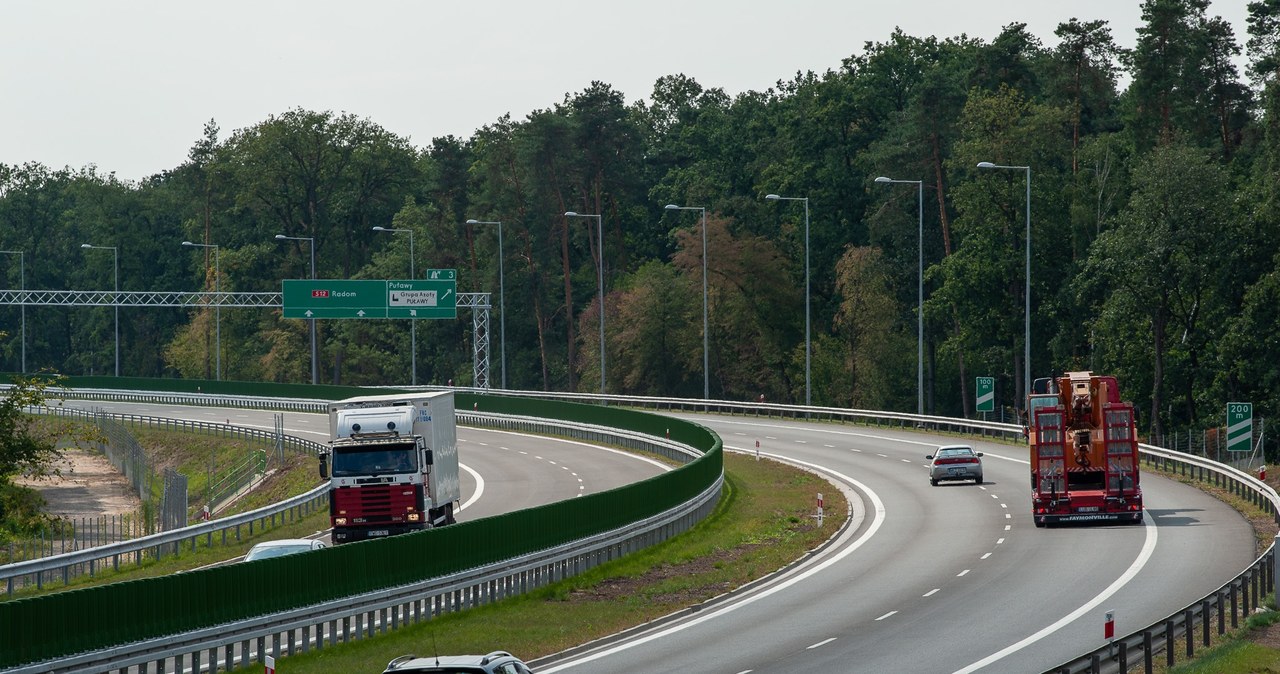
column 339, row 521
column 414, row 517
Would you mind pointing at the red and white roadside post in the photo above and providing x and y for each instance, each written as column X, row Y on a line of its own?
column 271, row 664
column 819, row 508
column 757, row 450
column 1262, row 472
column 1109, row 629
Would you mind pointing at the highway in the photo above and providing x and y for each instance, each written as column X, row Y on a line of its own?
column 953, row 578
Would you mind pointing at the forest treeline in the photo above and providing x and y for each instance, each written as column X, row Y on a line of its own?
column 1154, row 219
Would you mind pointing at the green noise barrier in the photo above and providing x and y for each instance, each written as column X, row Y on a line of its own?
column 77, row 621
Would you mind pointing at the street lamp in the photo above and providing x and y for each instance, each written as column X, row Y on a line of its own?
column 502, row 297
column 115, row 267
column 217, row 289
column 1026, row 358
column 807, row 347
column 600, row 279
column 22, row 278
column 413, row 322
column 315, row 373
column 706, row 376
column 919, row 286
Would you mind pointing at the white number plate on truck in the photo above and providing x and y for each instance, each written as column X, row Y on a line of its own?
column 378, row 532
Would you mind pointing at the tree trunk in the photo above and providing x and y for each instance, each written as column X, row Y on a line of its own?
column 1159, row 321
column 940, row 189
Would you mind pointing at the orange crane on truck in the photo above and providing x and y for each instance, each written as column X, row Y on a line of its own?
column 1084, row 451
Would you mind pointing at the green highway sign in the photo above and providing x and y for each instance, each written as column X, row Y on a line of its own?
column 1239, row 427
column 414, row 298
column 986, row 394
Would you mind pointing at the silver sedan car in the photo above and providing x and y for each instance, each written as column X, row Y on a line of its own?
column 955, row 462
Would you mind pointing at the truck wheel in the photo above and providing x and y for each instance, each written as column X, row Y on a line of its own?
column 448, row 517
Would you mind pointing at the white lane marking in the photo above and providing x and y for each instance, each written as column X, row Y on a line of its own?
column 1008, row 516
column 1004, row 505
column 801, row 442
column 876, row 523
column 829, row 446
column 1148, row 549
column 1008, row 527
column 883, row 456
column 1000, row 541
column 479, row 486
column 524, row 452
column 857, row 450
column 824, row 642
column 994, row 496
column 886, row 615
column 932, row 592
column 654, row 462
column 906, row 460
column 538, row 457
column 962, row 573
column 551, row 462
column 985, row 556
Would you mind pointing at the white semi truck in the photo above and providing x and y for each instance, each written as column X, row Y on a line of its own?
column 392, row 464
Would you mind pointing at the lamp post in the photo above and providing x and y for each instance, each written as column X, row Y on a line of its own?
column 919, row 285
column 600, row 280
column 315, row 372
column 502, row 297
column 807, row 347
column 115, row 269
column 22, row 279
column 217, row 289
column 706, row 370
column 413, row 322
column 1026, row 357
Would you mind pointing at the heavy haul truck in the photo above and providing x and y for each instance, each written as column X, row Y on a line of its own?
column 1084, row 451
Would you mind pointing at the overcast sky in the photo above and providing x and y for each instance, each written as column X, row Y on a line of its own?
column 128, row 85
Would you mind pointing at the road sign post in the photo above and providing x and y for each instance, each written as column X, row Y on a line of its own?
column 432, row 297
column 1239, row 427
column 985, row 394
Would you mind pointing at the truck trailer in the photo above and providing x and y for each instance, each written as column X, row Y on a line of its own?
column 1084, row 451
column 392, row 464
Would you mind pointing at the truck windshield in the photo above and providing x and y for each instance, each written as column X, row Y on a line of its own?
column 350, row 461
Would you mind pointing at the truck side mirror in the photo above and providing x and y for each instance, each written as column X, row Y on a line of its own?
column 324, row 466
column 429, row 459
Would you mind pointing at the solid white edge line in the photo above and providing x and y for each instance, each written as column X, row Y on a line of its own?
column 876, row 523
column 824, row 642
column 1148, row 549
column 479, row 486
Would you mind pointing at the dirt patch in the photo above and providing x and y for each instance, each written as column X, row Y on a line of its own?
column 89, row 486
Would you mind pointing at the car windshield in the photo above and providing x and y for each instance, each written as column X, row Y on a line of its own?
column 276, row 551
column 954, row 452
column 348, row 461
